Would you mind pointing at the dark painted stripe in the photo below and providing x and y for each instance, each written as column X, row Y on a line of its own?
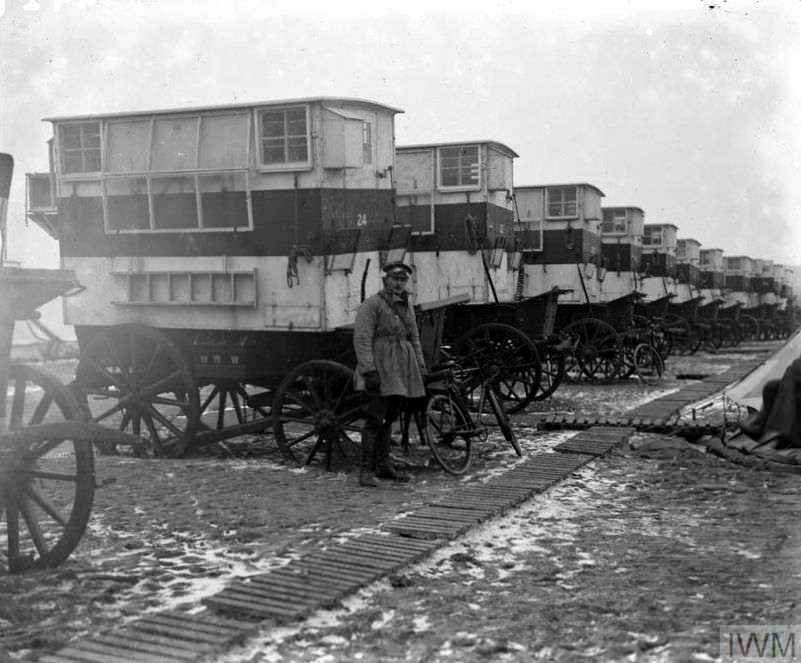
column 281, row 219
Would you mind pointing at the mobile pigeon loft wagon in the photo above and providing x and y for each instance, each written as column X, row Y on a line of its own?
column 218, row 247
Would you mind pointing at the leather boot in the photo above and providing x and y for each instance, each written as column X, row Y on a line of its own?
column 383, row 466
column 367, row 468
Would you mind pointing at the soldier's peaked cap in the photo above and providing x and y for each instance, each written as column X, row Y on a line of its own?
column 397, row 268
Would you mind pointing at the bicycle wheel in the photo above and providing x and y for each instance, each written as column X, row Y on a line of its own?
column 447, row 430
column 503, row 419
column 648, row 363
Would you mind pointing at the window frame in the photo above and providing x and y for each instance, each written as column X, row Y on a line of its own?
column 616, row 215
column 259, row 136
column 104, row 179
column 547, row 201
column 647, row 238
column 471, row 186
column 410, row 194
column 198, row 195
column 529, row 225
column 62, row 151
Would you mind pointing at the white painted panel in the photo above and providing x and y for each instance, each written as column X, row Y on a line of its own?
column 451, row 273
column 541, row 278
column 277, row 306
column 616, row 285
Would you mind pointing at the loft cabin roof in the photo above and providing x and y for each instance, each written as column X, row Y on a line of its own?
column 616, row 207
column 531, row 187
column 492, row 143
column 224, row 107
column 689, row 239
column 661, row 225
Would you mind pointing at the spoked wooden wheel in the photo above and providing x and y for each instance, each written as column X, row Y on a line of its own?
column 749, row 326
column 316, row 410
column 135, row 379
column 507, row 352
column 597, row 354
column 711, row 337
column 46, row 483
column 449, row 432
column 683, row 338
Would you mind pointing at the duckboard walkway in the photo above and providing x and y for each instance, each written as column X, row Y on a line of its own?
column 323, row 578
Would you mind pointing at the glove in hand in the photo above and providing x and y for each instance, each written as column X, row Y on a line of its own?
column 372, row 382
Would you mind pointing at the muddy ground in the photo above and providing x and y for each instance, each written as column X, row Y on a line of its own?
column 642, row 555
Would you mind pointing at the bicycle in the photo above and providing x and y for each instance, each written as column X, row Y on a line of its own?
column 456, row 399
column 641, row 354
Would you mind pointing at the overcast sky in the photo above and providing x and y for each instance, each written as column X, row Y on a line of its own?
column 687, row 109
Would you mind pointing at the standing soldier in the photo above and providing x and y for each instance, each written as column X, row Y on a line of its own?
column 390, row 369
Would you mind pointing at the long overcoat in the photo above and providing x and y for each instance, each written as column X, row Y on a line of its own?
column 386, row 339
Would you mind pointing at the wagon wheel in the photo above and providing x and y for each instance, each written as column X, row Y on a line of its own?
column 749, row 326
column 711, row 336
column 682, row 337
column 316, row 409
column 134, row 378
column 553, row 371
column 730, row 332
column 46, row 485
column 506, row 351
column 597, row 353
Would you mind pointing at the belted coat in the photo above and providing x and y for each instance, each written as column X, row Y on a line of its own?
column 386, row 339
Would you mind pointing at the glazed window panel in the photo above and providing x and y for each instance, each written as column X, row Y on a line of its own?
column 734, row 264
column 80, row 148
column 224, row 141
column 175, row 144
column 652, row 237
column 459, row 166
column 614, row 223
column 174, row 203
column 284, row 136
column 126, row 203
column 530, row 234
column 128, row 146
column 417, row 211
column 224, row 200
column 562, row 202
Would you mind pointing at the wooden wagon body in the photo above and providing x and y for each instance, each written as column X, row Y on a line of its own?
column 231, row 229
column 621, row 237
column 455, row 200
column 659, row 259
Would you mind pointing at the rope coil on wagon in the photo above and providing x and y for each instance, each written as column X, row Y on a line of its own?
column 292, row 274
column 471, row 234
